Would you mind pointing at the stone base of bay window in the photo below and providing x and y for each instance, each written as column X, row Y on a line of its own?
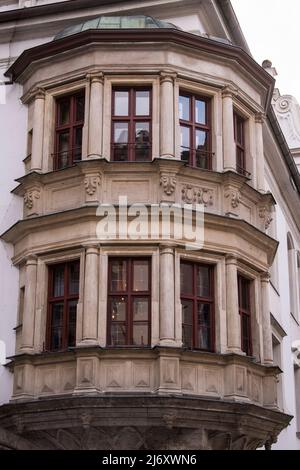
column 138, row 422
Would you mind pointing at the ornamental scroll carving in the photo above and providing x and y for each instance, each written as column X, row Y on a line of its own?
column 194, row 195
column 30, row 196
column 265, row 213
column 234, row 196
column 168, row 182
column 91, row 183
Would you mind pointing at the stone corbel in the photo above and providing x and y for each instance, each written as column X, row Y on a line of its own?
column 229, row 91
column 32, row 198
column 265, row 214
column 168, row 182
column 167, row 76
column 92, row 186
column 232, row 200
column 260, row 118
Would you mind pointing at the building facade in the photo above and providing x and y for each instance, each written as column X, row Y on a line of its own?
column 124, row 113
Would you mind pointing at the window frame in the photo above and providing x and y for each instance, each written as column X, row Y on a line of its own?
column 65, row 299
column 131, row 119
column 193, row 126
column 130, row 295
column 204, row 300
column 71, row 127
column 247, row 313
column 240, row 146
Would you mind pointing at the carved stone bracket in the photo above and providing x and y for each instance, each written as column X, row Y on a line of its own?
column 168, row 182
column 30, row 197
column 196, row 195
column 265, row 213
column 91, row 183
column 234, row 197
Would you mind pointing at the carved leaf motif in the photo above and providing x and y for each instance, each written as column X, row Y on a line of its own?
column 168, row 182
column 265, row 213
column 29, row 197
column 235, row 198
column 90, row 183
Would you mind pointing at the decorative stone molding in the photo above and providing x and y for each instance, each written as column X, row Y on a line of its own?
column 168, row 182
column 229, row 91
column 194, row 195
column 91, row 183
column 265, row 213
column 234, row 196
column 96, row 76
column 167, row 76
column 30, row 196
column 260, row 118
column 35, row 93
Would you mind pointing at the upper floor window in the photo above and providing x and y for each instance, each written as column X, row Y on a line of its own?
column 197, row 301
column 129, row 301
column 62, row 305
column 239, row 138
column 68, row 130
column 244, row 286
column 195, row 130
column 131, row 124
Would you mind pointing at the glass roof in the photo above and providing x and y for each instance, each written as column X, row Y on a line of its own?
column 116, row 22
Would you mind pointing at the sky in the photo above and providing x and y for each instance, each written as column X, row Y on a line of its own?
column 272, row 31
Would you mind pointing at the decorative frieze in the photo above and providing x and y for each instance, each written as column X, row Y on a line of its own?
column 195, row 195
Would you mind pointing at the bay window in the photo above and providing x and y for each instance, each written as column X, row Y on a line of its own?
column 63, row 297
column 195, row 130
column 68, row 130
column 131, row 124
column 197, row 303
column 244, row 289
column 129, row 302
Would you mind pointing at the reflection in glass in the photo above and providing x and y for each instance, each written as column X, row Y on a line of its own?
column 74, row 279
column 186, row 278
column 118, row 276
column 118, row 309
column 200, row 112
column 63, row 149
column 72, row 309
column 118, row 334
column 140, row 275
column 58, row 281
column 80, row 108
column 142, row 139
column 185, row 143
column 142, row 103
column 121, row 103
column 203, row 281
column 140, row 334
column 187, row 323
column 203, row 326
column 201, row 146
column 78, row 143
column 140, row 309
column 184, row 108
column 64, row 112
column 57, row 326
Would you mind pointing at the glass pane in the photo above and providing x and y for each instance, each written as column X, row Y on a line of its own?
column 57, row 326
column 203, row 333
column 120, row 132
column 140, row 309
column 187, row 323
column 118, row 334
column 140, row 334
column 78, row 143
column 239, row 131
column 246, row 334
column 63, row 149
column 142, row 140
column 203, row 281
column 187, row 336
column 64, row 112
column 244, row 294
column 186, row 278
column 80, row 108
column 121, row 103
column 184, row 108
column 200, row 111
column 58, row 281
column 118, row 309
column 142, row 103
column 118, row 276
column 202, row 157
column 72, row 310
column 74, row 278
column 185, row 143
column 140, row 275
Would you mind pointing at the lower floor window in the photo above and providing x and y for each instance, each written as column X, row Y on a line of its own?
column 197, row 302
column 129, row 302
column 62, row 305
column 244, row 286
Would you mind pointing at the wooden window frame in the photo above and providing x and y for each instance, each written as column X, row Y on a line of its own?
column 241, row 163
column 131, row 119
column 65, row 299
column 71, row 127
column 193, row 126
column 245, row 313
column 204, row 300
column 130, row 295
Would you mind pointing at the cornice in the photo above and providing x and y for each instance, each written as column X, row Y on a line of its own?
column 177, row 37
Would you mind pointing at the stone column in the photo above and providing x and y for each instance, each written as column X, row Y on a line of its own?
column 229, row 150
column 232, row 306
column 260, row 159
column 38, row 131
column 167, row 141
column 29, row 305
column 167, row 297
column 90, row 299
column 266, row 321
column 95, row 116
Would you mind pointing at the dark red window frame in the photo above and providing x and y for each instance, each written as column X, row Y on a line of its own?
column 132, row 150
column 204, row 156
column 128, row 296
column 239, row 138
column 196, row 300
column 74, row 126
column 68, row 326
column 244, row 291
